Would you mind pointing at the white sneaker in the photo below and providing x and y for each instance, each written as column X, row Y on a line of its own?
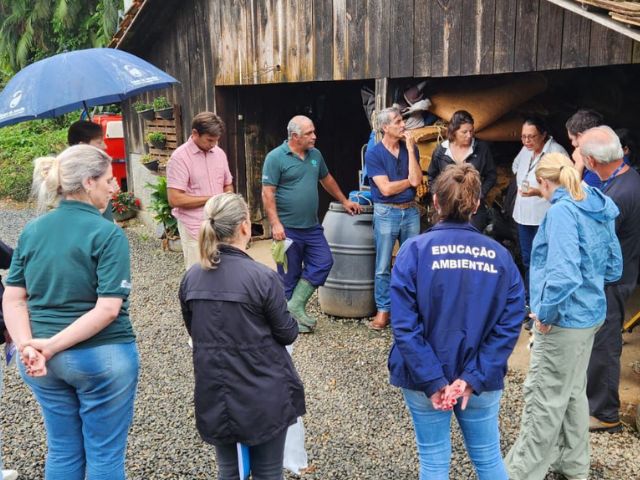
column 9, row 475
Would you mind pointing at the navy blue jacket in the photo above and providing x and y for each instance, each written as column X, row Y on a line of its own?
column 457, row 304
column 246, row 387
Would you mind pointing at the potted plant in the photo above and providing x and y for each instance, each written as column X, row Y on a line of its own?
column 149, row 162
column 124, row 205
column 160, row 207
column 157, row 139
column 145, row 110
column 163, row 108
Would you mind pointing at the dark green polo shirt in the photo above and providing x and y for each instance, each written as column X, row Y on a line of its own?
column 296, row 182
column 66, row 259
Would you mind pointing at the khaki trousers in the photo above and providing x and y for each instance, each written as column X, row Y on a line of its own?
column 554, row 431
column 189, row 244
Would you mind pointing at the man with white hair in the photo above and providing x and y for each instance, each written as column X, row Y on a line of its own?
column 290, row 177
column 602, row 154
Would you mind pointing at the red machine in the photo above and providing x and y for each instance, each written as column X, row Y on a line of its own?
column 113, row 135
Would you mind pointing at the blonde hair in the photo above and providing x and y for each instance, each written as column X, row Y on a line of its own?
column 55, row 178
column 223, row 215
column 458, row 191
column 558, row 168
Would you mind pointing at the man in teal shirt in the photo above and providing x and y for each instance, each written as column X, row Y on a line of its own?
column 290, row 196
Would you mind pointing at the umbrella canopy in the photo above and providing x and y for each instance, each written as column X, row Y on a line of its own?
column 73, row 80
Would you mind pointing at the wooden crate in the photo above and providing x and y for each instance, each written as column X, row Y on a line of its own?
column 173, row 131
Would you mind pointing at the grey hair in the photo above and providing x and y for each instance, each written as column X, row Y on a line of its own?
column 385, row 117
column 602, row 151
column 223, row 215
column 295, row 125
column 56, row 178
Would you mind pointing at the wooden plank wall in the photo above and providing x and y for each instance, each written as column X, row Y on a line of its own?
column 310, row 40
column 206, row 43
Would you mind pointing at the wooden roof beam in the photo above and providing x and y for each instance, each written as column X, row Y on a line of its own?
column 599, row 18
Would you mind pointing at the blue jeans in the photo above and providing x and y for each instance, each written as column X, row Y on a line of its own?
column 390, row 224
column 87, row 403
column 308, row 257
column 526, row 233
column 479, row 425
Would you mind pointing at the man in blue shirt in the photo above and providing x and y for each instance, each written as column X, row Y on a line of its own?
column 393, row 167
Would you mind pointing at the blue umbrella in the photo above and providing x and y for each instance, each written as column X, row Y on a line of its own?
column 73, row 80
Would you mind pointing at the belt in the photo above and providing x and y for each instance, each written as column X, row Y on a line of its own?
column 401, row 206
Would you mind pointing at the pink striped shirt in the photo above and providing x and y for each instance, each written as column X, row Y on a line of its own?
column 197, row 173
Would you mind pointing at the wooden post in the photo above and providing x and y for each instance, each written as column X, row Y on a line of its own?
column 382, row 96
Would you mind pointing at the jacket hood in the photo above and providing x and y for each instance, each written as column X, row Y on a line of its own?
column 596, row 204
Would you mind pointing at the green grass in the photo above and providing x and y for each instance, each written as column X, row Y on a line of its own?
column 20, row 144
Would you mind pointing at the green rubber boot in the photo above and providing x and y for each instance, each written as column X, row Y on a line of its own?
column 301, row 295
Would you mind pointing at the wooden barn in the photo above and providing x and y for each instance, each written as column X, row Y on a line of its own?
column 259, row 62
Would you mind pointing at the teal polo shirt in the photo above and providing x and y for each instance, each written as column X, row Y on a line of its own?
column 296, row 182
column 65, row 260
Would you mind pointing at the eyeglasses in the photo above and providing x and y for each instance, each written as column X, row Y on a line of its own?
column 524, row 138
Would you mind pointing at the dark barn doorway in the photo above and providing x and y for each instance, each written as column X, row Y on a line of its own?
column 256, row 118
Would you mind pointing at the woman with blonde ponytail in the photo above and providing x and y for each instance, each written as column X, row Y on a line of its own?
column 246, row 387
column 458, row 303
column 66, row 309
column 575, row 252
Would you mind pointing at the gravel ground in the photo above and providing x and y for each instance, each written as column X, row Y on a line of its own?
column 357, row 426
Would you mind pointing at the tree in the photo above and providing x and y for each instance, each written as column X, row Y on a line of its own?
column 35, row 29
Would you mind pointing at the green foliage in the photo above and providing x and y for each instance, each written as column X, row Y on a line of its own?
column 160, row 103
column 156, row 137
column 160, row 206
column 20, row 145
column 34, row 29
column 112, row 108
column 141, row 106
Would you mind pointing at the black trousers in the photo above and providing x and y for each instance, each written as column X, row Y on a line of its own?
column 603, row 375
column 265, row 460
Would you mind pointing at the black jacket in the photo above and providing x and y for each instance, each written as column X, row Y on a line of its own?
column 246, row 387
column 6, row 252
column 481, row 158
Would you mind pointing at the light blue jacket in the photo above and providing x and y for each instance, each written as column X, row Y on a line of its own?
column 574, row 253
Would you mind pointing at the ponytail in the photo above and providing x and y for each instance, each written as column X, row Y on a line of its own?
column 45, row 187
column 557, row 168
column 54, row 178
column 223, row 215
column 457, row 189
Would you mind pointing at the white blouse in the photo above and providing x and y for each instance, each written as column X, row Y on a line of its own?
column 531, row 210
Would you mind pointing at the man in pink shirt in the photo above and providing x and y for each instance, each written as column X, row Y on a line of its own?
column 197, row 170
